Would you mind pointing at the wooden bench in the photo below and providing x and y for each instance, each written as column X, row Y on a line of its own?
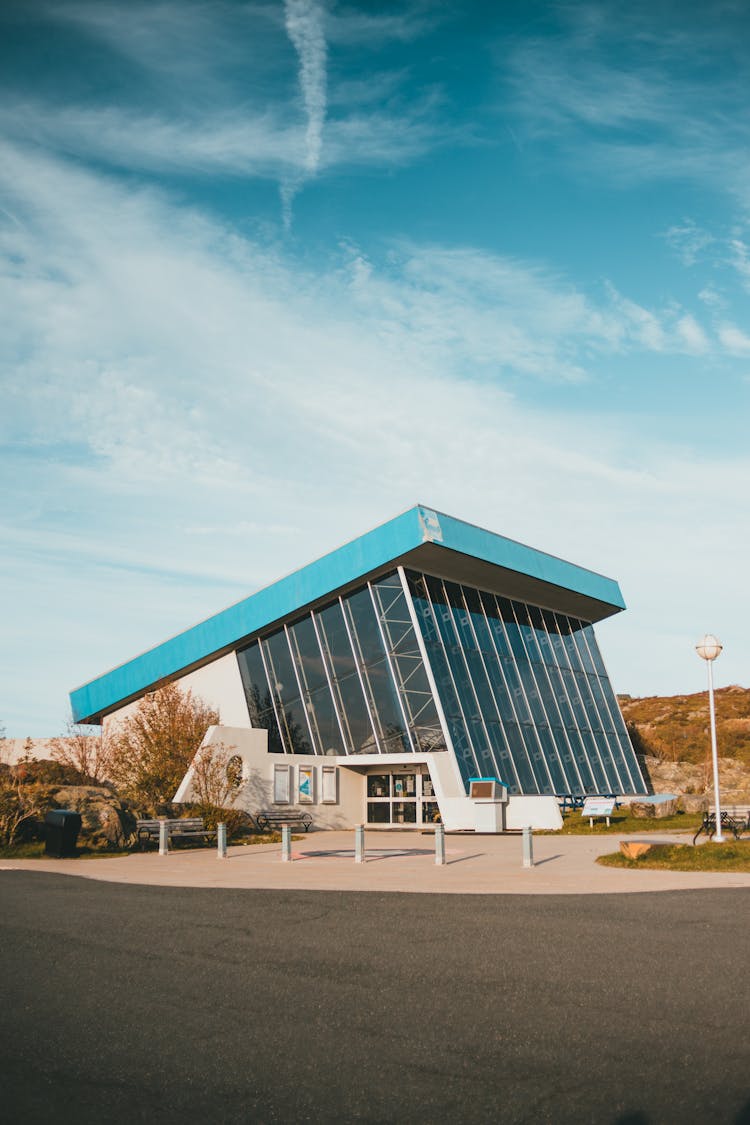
column 737, row 821
column 182, row 828
column 273, row 819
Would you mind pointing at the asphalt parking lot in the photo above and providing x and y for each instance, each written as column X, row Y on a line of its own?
column 130, row 1004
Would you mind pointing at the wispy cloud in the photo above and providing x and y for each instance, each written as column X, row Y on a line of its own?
column 205, row 380
column 734, row 339
column 688, row 241
column 206, row 89
column 638, row 92
column 304, row 21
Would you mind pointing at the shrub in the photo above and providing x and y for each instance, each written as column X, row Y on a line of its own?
column 152, row 749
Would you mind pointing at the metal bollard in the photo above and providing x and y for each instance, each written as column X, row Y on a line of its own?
column 286, row 843
column 440, row 844
column 359, row 844
column 163, row 838
column 221, row 840
column 528, row 848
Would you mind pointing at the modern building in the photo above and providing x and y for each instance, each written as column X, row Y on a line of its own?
column 373, row 684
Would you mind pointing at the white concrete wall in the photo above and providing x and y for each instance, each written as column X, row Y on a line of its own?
column 13, row 750
column 533, row 812
column 457, row 810
column 256, row 793
column 218, row 684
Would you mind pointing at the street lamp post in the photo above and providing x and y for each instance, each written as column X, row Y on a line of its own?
column 708, row 649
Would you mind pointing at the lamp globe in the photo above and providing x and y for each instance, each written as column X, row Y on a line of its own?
column 709, row 647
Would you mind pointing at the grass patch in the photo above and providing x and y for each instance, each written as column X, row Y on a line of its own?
column 35, row 850
column 684, row 857
column 622, row 821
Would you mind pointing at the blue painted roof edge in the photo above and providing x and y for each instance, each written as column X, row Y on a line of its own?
column 493, row 548
column 341, row 567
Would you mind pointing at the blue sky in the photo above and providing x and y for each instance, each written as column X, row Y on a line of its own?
column 273, row 272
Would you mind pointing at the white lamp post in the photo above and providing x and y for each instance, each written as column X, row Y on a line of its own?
column 708, row 649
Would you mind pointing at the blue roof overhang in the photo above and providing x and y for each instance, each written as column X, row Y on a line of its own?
column 420, row 538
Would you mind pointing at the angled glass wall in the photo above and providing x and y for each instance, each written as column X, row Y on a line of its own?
column 525, row 693
column 517, row 692
column 345, row 679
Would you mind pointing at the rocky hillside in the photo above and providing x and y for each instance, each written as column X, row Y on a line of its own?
column 676, row 728
column 671, row 735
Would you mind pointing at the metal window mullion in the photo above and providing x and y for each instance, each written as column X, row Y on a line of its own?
column 541, row 697
column 415, row 669
column 272, row 692
column 367, row 697
column 394, row 680
column 306, row 702
column 489, row 682
column 553, row 693
column 612, row 739
column 450, row 669
column 598, row 711
column 427, row 665
column 523, row 689
column 329, row 681
column 578, row 690
column 622, row 720
column 508, row 691
column 333, row 679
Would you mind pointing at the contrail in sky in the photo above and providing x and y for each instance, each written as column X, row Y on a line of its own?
column 304, row 25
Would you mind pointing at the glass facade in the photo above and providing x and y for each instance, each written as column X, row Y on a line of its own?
column 520, row 693
column 525, row 693
column 345, row 679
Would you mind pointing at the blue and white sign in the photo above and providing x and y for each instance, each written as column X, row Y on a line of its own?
column 598, row 806
column 305, row 785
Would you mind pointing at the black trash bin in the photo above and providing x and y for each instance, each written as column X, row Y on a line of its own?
column 61, row 828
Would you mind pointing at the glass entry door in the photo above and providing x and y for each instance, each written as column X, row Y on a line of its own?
column 401, row 799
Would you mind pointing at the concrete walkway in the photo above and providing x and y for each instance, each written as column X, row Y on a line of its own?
column 397, row 861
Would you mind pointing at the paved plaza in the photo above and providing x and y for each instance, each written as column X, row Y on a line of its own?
column 399, row 861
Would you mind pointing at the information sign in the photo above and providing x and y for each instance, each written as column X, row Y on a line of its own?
column 598, row 806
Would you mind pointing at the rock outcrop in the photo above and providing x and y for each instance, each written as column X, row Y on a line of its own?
column 654, row 809
column 694, row 783
column 107, row 820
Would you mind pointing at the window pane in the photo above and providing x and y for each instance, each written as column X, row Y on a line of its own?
column 304, row 645
column 267, row 721
column 379, row 785
column 356, row 715
column 368, row 643
column 254, row 682
column 404, row 812
column 324, row 722
column 293, row 719
column 378, row 812
column 280, row 668
column 335, row 640
column 386, row 708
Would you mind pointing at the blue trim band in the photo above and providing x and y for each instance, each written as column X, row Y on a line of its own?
column 369, row 553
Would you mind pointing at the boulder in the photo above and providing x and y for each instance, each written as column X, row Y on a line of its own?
column 656, row 808
column 692, row 802
column 634, row 849
column 106, row 820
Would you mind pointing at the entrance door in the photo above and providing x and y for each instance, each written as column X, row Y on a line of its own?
column 400, row 799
